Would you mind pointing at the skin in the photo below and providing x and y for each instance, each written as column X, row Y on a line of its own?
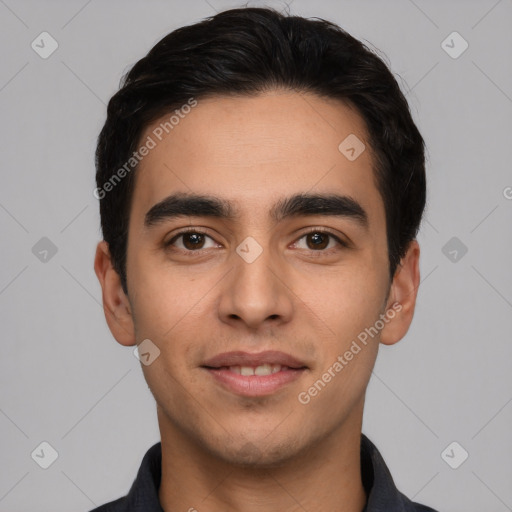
column 222, row 452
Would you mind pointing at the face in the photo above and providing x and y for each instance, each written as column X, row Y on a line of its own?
column 246, row 279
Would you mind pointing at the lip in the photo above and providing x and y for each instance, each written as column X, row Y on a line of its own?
column 254, row 385
column 240, row 358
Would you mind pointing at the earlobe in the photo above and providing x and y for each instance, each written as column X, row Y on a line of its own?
column 115, row 302
column 402, row 297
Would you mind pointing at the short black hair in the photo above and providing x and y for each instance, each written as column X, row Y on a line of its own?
column 248, row 51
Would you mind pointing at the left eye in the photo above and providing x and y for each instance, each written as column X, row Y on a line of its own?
column 319, row 240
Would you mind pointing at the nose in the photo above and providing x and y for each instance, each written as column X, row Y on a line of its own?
column 255, row 292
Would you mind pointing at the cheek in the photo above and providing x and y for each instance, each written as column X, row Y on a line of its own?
column 347, row 300
column 164, row 296
column 348, row 304
column 174, row 309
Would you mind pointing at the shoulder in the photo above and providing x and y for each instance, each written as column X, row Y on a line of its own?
column 381, row 490
column 143, row 494
column 118, row 505
column 417, row 507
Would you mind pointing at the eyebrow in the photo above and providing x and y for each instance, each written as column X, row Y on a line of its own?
column 193, row 205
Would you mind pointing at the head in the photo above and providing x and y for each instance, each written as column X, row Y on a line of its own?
column 293, row 244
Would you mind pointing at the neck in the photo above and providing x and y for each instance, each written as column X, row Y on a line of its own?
column 327, row 476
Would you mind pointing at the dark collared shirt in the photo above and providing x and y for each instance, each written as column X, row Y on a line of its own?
column 380, row 489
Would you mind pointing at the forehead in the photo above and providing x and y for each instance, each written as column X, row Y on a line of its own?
column 254, row 151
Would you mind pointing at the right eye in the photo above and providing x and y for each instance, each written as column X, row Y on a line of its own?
column 192, row 240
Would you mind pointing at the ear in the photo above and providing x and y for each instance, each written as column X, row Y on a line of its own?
column 402, row 296
column 116, row 305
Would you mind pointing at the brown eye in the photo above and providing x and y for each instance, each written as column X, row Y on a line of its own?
column 319, row 240
column 192, row 240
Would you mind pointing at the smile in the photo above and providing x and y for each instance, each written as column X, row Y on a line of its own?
column 261, row 380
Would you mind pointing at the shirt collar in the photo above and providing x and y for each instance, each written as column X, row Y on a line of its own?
column 382, row 494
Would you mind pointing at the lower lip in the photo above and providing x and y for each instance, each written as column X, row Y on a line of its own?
column 254, row 385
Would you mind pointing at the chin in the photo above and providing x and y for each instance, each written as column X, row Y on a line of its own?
column 257, row 453
column 250, row 457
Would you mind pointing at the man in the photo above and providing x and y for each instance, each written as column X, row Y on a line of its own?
column 261, row 184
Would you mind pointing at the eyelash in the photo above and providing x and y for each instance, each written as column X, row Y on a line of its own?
column 199, row 231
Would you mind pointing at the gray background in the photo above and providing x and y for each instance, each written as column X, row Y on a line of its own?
column 64, row 379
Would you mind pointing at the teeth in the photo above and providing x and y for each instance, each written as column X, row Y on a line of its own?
column 264, row 369
column 247, row 370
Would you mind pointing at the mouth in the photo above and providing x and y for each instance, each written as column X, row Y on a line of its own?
column 260, row 370
column 254, row 375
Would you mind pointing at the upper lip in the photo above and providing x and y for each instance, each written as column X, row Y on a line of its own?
column 240, row 358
